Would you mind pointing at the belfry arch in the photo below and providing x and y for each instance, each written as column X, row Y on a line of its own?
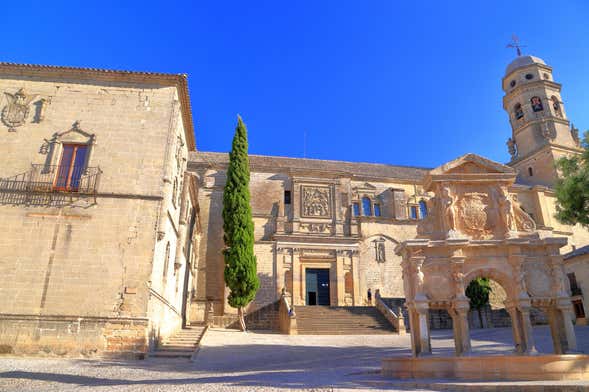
column 475, row 228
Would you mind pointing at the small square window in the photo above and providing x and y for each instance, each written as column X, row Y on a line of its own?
column 286, row 197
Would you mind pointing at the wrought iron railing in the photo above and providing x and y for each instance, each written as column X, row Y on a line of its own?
column 54, row 178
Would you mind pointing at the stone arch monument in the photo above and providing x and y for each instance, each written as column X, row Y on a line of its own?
column 476, row 228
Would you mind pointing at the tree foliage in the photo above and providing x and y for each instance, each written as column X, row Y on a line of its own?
column 478, row 292
column 572, row 187
column 240, row 263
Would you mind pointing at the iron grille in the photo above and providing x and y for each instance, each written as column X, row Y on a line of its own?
column 54, row 178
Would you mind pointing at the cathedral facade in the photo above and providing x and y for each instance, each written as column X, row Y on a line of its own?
column 113, row 230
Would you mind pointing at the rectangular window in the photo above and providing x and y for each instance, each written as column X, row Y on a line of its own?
column 356, row 209
column 413, row 212
column 376, row 209
column 579, row 310
column 286, row 197
column 575, row 290
column 71, row 167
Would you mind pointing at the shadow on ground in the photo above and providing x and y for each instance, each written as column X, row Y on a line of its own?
column 271, row 365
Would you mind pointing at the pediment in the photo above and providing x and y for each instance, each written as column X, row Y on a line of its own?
column 472, row 164
column 74, row 135
column 364, row 187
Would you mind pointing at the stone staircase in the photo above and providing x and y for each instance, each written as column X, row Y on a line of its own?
column 341, row 320
column 182, row 344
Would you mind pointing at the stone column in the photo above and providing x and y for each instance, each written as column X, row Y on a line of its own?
column 423, row 335
column 356, row 277
column 414, row 324
column 516, row 329
column 298, row 297
column 561, row 326
column 527, row 330
column 460, row 323
column 340, row 279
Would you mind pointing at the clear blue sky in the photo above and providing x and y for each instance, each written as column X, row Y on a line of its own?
column 412, row 83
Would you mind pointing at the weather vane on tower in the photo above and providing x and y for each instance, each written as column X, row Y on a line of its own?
column 515, row 44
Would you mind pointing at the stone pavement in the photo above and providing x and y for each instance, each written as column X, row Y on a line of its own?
column 233, row 361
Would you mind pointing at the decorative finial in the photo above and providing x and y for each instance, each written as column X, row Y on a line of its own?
column 515, row 44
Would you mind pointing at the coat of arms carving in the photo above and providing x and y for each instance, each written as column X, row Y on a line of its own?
column 473, row 213
column 16, row 111
column 316, row 202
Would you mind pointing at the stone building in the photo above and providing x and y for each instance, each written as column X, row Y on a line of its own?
column 99, row 219
column 326, row 230
column 112, row 220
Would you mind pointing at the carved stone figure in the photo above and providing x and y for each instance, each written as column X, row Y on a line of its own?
column 548, row 133
column 505, row 210
column 575, row 135
column 316, row 202
column 16, row 111
column 380, row 251
column 512, row 147
column 523, row 221
column 458, row 278
column 558, row 279
column 419, row 279
column 448, row 202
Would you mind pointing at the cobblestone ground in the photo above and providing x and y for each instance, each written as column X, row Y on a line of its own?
column 233, row 361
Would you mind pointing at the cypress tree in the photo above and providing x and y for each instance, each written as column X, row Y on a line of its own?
column 240, row 263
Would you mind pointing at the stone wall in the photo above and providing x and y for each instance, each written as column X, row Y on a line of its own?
column 76, row 272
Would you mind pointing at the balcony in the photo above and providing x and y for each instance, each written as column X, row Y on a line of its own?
column 49, row 183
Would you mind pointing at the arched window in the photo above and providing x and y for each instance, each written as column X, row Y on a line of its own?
column 536, row 104
column 518, row 112
column 366, row 206
column 422, row 209
column 376, row 207
column 556, row 106
column 356, row 208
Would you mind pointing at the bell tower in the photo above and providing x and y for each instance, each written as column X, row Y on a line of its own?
column 541, row 132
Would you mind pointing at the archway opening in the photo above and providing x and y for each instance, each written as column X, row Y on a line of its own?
column 490, row 326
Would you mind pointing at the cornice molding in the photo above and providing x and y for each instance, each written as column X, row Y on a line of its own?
column 180, row 81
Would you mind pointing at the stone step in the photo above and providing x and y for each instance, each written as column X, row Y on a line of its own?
column 176, row 348
column 173, row 354
column 182, row 344
column 353, row 320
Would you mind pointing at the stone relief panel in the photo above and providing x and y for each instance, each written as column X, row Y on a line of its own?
column 316, row 228
column 482, row 212
column 437, row 283
column 15, row 112
column 537, row 276
column 473, row 207
column 315, row 202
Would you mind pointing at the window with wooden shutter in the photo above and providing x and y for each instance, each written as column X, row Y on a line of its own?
column 71, row 167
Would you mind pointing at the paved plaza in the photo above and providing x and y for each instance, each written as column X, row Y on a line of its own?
column 233, row 361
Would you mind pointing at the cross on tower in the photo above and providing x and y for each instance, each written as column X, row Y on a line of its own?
column 515, row 44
